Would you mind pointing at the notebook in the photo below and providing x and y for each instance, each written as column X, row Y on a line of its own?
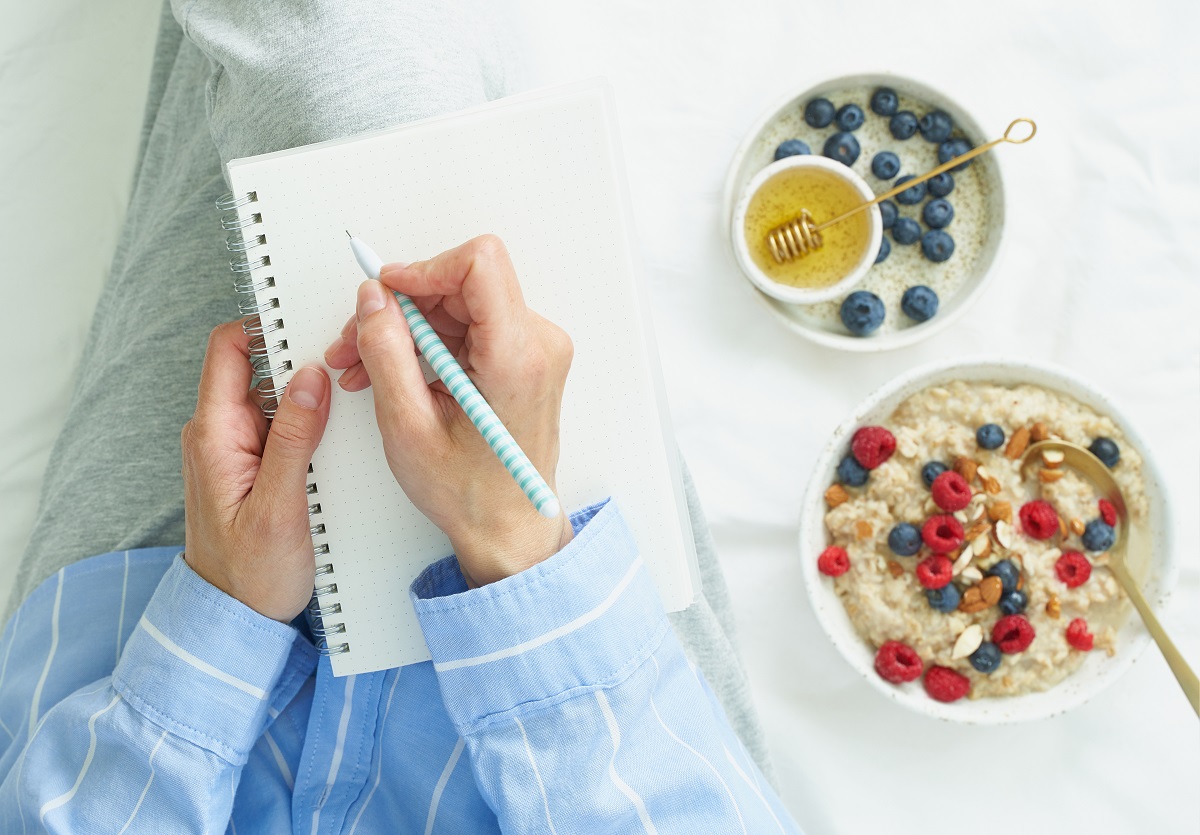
column 542, row 170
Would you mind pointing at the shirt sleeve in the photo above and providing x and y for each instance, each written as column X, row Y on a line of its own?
column 579, row 709
column 160, row 744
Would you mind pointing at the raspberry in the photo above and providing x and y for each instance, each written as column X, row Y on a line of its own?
column 1078, row 635
column 1012, row 633
column 935, row 572
column 1073, row 569
column 872, row 445
column 897, row 662
column 1108, row 513
column 834, row 561
column 945, row 685
column 942, row 534
column 951, row 491
column 1039, row 519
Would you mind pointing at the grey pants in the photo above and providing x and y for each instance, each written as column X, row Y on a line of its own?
column 232, row 79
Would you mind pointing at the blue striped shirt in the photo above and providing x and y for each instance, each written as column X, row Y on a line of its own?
column 136, row 697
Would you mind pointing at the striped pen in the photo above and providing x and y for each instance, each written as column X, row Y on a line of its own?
column 463, row 390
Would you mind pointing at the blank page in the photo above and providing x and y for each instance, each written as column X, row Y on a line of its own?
column 542, row 171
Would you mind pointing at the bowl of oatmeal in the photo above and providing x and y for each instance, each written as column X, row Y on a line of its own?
column 961, row 584
column 945, row 240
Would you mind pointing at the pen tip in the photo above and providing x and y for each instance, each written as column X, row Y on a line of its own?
column 348, row 235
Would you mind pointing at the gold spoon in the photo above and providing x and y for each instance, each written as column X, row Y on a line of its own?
column 1096, row 472
column 800, row 235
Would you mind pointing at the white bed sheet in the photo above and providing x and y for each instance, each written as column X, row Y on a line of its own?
column 1100, row 275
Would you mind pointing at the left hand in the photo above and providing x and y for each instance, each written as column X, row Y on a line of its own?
column 245, row 504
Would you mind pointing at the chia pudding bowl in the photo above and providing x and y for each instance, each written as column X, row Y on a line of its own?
column 961, row 584
column 975, row 221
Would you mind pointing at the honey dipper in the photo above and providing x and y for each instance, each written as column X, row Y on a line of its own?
column 801, row 235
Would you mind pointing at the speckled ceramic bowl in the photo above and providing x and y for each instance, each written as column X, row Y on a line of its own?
column 1099, row 670
column 782, row 121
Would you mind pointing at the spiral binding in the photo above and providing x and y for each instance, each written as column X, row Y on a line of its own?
column 269, row 360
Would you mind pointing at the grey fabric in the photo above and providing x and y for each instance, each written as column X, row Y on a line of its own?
column 247, row 79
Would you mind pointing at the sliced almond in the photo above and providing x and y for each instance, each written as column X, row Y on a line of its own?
column 998, row 511
column 1049, row 476
column 1017, row 444
column 975, row 530
column 982, row 546
column 971, row 574
column 972, row 601
column 895, row 568
column 1077, row 526
column 863, row 530
column 1039, row 432
column 966, row 468
column 1053, row 607
column 1053, row 554
column 964, row 559
column 991, row 588
column 991, row 486
column 1052, row 458
column 961, row 516
column 836, row 495
column 968, row 641
column 976, row 512
column 1004, row 534
column 983, row 474
column 1062, row 527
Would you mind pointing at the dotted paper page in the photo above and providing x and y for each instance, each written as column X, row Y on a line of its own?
column 540, row 171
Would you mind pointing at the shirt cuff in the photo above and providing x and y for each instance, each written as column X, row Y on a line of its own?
column 583, row 619
column 208, row 668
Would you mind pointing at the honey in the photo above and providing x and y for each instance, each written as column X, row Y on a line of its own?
column 826, row 195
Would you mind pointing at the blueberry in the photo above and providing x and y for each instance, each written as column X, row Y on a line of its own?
column 904, row 540
column 937, row 245
column 862, row 312
column 936, row 126
column 941, row 185
column 791, row 148
column 1098, row 535
column 911, row 195
column 849, row 117
column 906, row 231
column 903, row 125
column 1005, row 570
column 885, row 165
column 989, row 436
column 1013, row 602
column 842, row 147
column 1106, row 450
column 945, row 599
column 885, row 249
column 986, row 658
column 919, row 303
column 888, row 212
column 818, row 113
column 952, row 148
column 937, row 213
column 851, row 473
column 884, row 101
column 931, row 471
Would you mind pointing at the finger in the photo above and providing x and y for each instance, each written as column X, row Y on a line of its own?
column 355, row 378
column 402, row 399
column 479, row 271
column 343, row 352
column 295, row 432
column 225, row 378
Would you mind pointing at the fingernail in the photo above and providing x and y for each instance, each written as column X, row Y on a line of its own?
column 333, row 348
column 306, row 388
column 371, row 299
column 394, row 267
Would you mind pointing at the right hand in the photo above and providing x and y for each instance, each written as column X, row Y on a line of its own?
column 518, row 361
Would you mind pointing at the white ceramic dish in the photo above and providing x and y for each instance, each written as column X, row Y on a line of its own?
column 1099, row 670
column 804, row 295
column 757, row 150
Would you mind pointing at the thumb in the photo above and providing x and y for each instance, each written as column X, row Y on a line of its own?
column 385, row 346
column 295, row 432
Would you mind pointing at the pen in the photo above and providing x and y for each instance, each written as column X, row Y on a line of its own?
column 463, row 390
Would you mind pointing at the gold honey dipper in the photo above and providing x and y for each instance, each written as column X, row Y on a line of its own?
column 801, row 235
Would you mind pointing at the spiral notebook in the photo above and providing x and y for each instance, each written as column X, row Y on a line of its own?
column 543, row 171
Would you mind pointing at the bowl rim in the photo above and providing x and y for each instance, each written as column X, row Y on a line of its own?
column 804, row 295
column 1162, row 572
column 962, row 300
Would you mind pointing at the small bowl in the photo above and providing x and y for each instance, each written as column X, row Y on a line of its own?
column 1098, row 671
column 782, row 121
column 804, row 295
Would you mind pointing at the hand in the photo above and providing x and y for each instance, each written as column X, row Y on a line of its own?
column 245, row 505
column 517, row 360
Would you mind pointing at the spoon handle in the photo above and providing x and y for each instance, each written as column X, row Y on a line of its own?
column 1183, row 673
